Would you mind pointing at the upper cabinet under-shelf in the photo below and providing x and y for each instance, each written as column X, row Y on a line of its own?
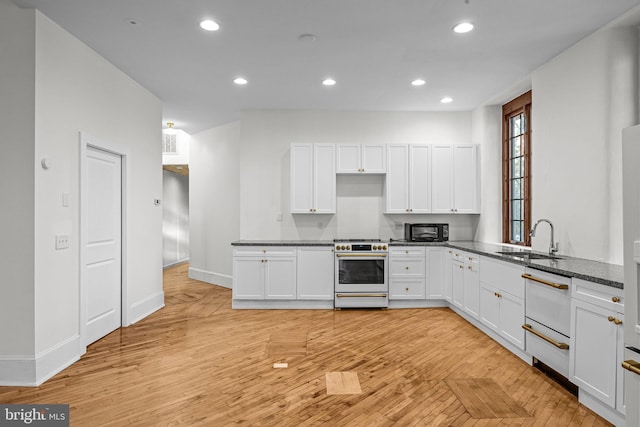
column 419, row 178
column 361, row 159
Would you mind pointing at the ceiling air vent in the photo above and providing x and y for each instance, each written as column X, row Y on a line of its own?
column 169, row 145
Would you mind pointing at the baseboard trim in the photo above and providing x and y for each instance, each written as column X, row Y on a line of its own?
column 282, row 304
column 211, row 277
column 144, row 308
column 600, row 408
column 30, row 371
column 175, row 264
column 429, row 303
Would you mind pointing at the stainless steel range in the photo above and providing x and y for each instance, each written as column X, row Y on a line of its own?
column 361, row 279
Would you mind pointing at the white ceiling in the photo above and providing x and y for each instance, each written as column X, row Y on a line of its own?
column 373, row 48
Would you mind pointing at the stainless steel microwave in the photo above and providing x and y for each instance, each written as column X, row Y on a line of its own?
column 426, row 232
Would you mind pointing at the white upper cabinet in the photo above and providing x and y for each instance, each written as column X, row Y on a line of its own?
column 361, row 158
column 408, row 180
column 455, row 179
column 313, row 178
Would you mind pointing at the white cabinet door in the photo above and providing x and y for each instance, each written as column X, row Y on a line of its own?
column 302, row 181
column 455, row 179
column 472, row 287
column 512, row 318
column 419, row 178
column 594, row 344
column 435, row 272
column 397, row 179
column 280, row 278
column 324, row 174
column 348, row 158
column 248, row 278
column 447, row 278
column 490, row 306
column 315, row 271
column 457, row 281
column 313, row 178
column 374, row 158
column 465, row 179
column 442, row 179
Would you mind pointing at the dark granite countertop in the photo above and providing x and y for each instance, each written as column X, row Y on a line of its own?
column 592, row 271
column 282, row 243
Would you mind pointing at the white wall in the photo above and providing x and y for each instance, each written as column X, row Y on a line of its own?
column 487, row 131
column 17, row 108
column 581, row 101
column 214, row 202
column 77, row 90
column 175, row 218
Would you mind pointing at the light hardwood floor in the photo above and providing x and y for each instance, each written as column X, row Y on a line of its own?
column 198, row 362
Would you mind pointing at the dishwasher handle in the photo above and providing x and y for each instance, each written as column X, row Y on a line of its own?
column 560, row 286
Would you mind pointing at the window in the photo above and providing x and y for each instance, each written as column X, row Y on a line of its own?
column 516, row 170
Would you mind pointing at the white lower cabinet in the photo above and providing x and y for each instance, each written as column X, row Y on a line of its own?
column 597, row 342
column 502, row 299
column 465, row 281
column 407, row 272
column 264, row 273
column 315, row 273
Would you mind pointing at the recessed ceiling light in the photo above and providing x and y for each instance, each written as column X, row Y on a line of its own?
column 209, row 25
column 240, row 81
column 463, row 27
column 446, row 100
column 307, row 38
column 418, row 82
column 329, row 82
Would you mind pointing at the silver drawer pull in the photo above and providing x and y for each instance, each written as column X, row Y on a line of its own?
column 560, row 345
column 545, row 282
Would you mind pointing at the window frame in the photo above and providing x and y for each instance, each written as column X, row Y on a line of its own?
column 519, row 105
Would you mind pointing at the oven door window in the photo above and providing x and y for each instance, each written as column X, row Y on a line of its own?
column 361, row 272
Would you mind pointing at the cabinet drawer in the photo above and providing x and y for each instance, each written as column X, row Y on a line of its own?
column 503, row 275
column 407, row 289
column 264, row 251
column 406, row 251
column 547, row 353
column 600, row 295
column 457, row 255
column 408, row 267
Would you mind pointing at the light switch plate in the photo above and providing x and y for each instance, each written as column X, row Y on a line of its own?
column 62, row 241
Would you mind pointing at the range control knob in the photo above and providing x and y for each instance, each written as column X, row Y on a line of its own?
column 384, row 248
column 375, row 247
column 348, row 247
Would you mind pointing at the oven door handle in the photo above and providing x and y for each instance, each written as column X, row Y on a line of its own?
column 361, row 295
column 546, row 282
column 560, row 345
column 361, row 255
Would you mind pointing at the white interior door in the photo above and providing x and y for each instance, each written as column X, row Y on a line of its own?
column 103, row 243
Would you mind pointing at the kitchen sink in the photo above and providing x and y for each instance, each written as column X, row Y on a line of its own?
column 527, row 255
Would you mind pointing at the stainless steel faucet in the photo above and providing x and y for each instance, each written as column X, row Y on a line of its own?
column 553, row 246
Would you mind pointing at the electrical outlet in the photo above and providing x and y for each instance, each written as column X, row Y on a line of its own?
column 62, row 241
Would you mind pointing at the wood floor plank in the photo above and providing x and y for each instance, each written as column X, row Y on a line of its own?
column 197, row 362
